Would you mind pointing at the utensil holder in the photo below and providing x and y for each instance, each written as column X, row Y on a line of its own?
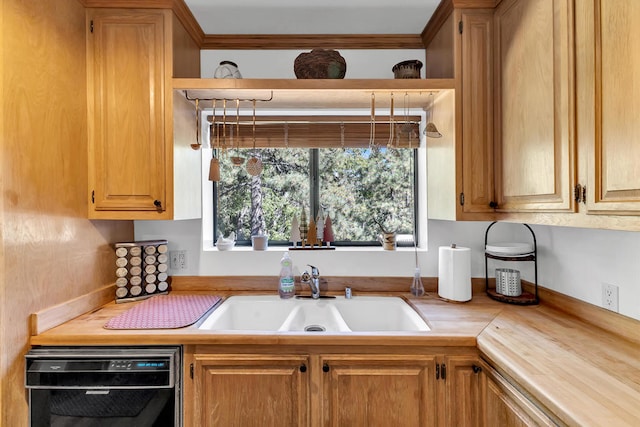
column 508, row 282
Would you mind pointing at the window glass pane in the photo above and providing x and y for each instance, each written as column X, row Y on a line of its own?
column 359, row 187
column 280, row 191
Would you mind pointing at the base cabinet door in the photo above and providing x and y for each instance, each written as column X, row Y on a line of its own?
column 379, row 390
column 250, row 390
column 462, row 389
column 504, row 405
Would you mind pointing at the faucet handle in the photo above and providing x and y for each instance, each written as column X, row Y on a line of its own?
column 314, row 271
column 305, row 276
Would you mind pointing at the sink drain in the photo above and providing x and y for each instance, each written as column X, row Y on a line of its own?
column 314, row 328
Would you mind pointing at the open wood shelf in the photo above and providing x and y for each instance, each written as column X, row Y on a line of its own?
column 318, row 93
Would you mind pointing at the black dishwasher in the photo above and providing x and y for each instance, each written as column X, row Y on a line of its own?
column 104, row 386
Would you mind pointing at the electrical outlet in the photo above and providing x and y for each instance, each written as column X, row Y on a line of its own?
column 178, row 260
column 610, row 297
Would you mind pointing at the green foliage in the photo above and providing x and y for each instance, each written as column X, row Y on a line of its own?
column 357, row 187
column 360, row 186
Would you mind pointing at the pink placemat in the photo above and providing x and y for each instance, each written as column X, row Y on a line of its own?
column 164, row 312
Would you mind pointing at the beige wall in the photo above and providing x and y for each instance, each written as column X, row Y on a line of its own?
column 49, row 252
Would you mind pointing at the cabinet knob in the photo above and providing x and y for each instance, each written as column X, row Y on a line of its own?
column 493, row 204
column 303, row 368
column 476, row 369
column 325, row 368
column 158, row 205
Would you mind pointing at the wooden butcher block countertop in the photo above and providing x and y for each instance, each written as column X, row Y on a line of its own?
column 451, row 325
column 583, row 373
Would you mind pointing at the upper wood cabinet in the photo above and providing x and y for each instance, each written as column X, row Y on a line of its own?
column 460, row 165
column 534, row 108
column 131, row 116
column 608, row 63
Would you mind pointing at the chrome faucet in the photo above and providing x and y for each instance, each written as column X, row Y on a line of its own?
column 313, row 280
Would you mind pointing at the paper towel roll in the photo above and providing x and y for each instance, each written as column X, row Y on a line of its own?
column 454, row 273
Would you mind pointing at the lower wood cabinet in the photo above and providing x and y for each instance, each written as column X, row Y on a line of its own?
column 379, row 390
column 317, row 386
column 249, row 390
column 505, row 405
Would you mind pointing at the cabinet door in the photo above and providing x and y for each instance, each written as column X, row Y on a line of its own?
column 460, row 164
column 535, row 119
column 504, row 405
column 251, row 390
column 477, row 111
column 462, row 385
column 128, row 165
column 608, row 64
column 370, row 391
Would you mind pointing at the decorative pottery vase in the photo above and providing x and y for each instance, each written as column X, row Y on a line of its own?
column 227, row 70
column 320, row 64
column 407, row 69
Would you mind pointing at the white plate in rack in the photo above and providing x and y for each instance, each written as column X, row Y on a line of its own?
column 509, row 249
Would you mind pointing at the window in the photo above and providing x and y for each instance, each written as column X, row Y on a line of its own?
column 361, row 190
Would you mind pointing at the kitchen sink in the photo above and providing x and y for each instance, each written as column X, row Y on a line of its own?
column 372, row 314
column 337, row 315
column 249, row 313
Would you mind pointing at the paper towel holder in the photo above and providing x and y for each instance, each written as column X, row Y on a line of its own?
column 526, row 298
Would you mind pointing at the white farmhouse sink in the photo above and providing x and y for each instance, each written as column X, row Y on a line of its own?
column 358, row 314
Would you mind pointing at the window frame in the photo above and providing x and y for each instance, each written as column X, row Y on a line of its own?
column 314, row 202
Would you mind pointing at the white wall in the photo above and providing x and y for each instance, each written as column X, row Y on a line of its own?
column 278, row 64
column 573, row 261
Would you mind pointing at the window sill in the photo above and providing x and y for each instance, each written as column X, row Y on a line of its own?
column 210, row 247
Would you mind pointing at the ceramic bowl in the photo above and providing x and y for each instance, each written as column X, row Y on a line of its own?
column 225, row 246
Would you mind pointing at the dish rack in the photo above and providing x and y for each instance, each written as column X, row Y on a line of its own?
column 511, row 253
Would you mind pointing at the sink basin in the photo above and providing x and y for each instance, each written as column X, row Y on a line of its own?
column 249, row 313
column 358, row 314
column 315, row 316
column 380, row 314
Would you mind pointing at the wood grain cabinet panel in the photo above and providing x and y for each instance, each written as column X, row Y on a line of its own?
column 608, row 65
column 251, row 390
column 371, row 391
column 460, row 170
column 141, row 165
column 128, row 82
column 535, row 117
column 299, row 386
column 462, row 388
column 504, row 405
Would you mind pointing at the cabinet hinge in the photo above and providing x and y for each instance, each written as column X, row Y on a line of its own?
column 460, row 27
column 577, row 193
column 191, row 370
column 461, row 199
column 441, row 371
column 93, row 197
column 91, row 26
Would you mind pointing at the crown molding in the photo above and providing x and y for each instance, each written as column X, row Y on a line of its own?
column 311, row 41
